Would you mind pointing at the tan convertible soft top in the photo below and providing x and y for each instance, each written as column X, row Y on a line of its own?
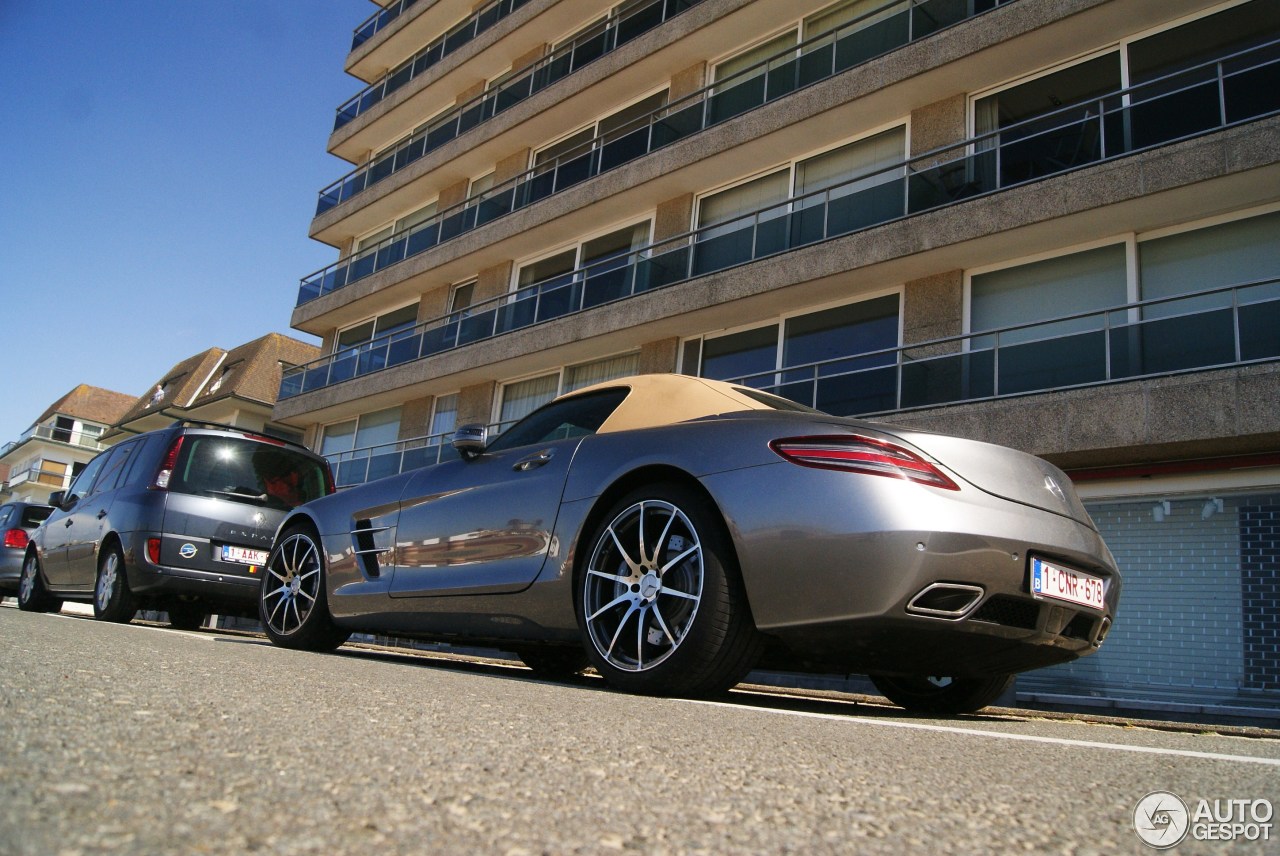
column 664, row 399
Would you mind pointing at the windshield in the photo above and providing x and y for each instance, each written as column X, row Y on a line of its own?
column 245, row 470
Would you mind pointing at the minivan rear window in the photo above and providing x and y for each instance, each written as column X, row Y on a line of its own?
column 249, row 471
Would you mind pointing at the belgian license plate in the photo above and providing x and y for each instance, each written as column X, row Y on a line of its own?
column 243, row 555
column 1061, row 583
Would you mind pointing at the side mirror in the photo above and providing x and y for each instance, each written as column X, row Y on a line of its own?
column 469, row 441
column 57, row 497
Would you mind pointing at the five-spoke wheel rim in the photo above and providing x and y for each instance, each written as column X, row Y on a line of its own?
column 643, row 585
column 107, row 581
column 292, row 584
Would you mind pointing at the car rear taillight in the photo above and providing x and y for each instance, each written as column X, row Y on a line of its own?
column 854, row 453
column 16, row 538
column 161, row 481
column 153, row 550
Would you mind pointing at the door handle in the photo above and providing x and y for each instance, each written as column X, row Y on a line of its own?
column 68, row 523
column 102, row 514
column 532, row 462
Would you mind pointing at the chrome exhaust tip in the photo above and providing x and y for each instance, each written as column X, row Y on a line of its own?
column 945, row 600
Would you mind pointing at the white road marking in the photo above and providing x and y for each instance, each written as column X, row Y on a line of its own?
column 998, row 735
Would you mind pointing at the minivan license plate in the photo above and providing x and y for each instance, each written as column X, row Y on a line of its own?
column 243, row 555
column 1059, row 583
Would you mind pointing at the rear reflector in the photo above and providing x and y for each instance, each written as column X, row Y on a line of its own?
column 854, row 453
column 15, row 538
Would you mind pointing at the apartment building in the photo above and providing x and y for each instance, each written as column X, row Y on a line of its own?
column 235, row 387
column 1051, row 224
column 59, row 443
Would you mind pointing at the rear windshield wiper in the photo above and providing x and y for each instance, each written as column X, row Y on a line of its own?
column 235, row 494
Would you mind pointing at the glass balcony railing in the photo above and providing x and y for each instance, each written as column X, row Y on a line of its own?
column 358, row 466
column 819, row 58
column 1216, row 328
column 1208, row 97
column 635, row 20
column 458, row 36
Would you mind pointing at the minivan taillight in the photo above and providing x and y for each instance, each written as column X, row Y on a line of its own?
column 853, row 453
column 161, row 481
column 153, row 550
column 16, row 538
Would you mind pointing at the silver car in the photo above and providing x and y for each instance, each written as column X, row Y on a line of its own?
column 675, row 532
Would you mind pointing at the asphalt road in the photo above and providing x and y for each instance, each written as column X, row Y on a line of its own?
column 136, row 739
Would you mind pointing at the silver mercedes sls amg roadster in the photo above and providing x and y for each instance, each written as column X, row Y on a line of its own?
column 675, row 533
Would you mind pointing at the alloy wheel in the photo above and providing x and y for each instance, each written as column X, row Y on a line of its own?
column 27, row 585
column 107, row 581
column 292, row 585
column 643, row 585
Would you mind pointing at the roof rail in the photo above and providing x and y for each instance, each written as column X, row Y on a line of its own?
column 205, row 423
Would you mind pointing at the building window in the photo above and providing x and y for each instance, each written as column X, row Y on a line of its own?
column 596, row 271
column 363, row 449
column 854, row 185
column 444, row 415
column 521, row 398
column 1238, row 261
column 1071, row 116
column 366, row 347
column 833, row 359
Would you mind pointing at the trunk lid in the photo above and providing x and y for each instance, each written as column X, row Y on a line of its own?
column 1003, row 472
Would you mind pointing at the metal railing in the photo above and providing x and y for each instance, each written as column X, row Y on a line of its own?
column 456, row 37
column 57, row 435
column 1070, row 138
column 357, row 466
column 44, row 478
column 374, row 24
column 818, row 58
column 620, row 28
column 1214, row 328
column 1209, row 96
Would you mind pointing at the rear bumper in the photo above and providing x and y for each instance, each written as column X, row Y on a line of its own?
column 833, row 564
column 10, row 568
column 160, row 582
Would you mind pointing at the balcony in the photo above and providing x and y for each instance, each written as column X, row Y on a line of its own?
column 58, row 435
column 819, row 58
column 1216, row 328
column 379, row 20
column 44, row 478
column 358, row 466
column 608, row 37
column 1206, row 98
column 459, row 36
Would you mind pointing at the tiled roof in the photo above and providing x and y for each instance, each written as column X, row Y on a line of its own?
column 89, row 404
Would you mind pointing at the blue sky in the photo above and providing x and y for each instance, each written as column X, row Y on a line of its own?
column 162, row 161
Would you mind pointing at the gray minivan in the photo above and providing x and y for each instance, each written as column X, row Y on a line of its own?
column 179, row 519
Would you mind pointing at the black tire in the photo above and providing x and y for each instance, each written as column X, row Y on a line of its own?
column 112, row 600
column 554, row 662
column 33, row 596
column 186, row 616
column 292, row 603
column 921, row 694
column 662, row 554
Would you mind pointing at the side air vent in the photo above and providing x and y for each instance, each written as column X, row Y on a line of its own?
column 366, row 550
